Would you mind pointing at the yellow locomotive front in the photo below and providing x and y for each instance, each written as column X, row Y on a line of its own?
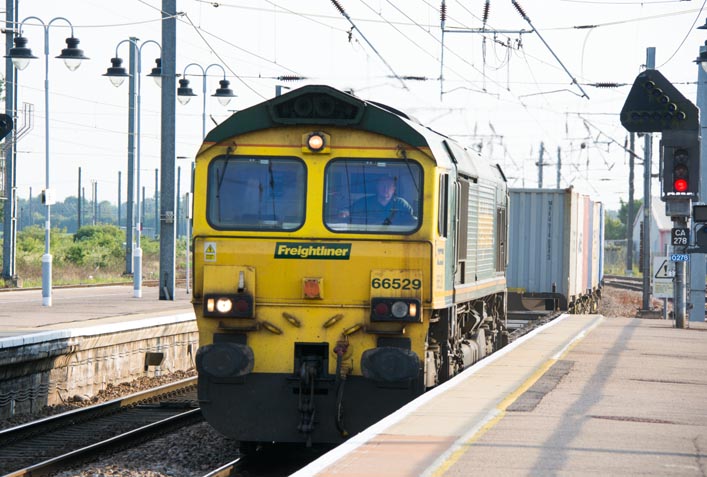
column 317, row 263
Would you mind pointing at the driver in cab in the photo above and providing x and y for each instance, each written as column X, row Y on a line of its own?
column 383, row 208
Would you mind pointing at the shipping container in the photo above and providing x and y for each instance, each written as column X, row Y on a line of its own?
column 555, row 253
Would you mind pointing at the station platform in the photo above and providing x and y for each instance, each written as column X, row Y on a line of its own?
column 89, row 338
column 581, row 395
column 22, row 313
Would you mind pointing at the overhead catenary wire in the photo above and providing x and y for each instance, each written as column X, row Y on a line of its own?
column 224, row 63
column 399, row 31
column 527, row 19
column 689, row 30
column 370, row 45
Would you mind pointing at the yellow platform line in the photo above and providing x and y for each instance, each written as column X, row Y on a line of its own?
column 461, row 446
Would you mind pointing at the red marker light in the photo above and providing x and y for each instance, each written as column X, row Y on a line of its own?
column 242, row 306
column 381, row 309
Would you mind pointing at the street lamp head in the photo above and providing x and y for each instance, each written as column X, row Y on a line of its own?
column 184, row 92
column 224, row 93
column 20, row 54
column 72, row 54
column 156, row 72
column 116, row 73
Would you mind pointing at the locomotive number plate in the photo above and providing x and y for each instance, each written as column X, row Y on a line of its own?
column 396, row 282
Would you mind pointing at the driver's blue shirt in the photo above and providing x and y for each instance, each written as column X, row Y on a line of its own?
column 369, row 211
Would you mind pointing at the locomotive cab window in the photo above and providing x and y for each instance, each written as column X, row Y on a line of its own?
column 373, row 196
column 256, row 193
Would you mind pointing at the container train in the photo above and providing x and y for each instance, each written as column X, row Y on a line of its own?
column 556, row 251
column 346, row 259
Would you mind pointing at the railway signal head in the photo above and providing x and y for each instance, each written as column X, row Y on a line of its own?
column 681, row 171
column 681, row 165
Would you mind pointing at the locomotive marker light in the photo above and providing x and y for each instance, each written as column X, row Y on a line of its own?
column 72, row 56
column 236, row 305
column 316, row 142
column 395, row 310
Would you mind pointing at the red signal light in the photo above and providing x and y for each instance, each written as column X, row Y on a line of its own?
column 681, row 172
column 680, row 185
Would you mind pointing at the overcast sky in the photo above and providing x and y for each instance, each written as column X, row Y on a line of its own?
column 504, row 90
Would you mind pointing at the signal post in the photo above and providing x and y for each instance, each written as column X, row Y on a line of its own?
column 655, row 105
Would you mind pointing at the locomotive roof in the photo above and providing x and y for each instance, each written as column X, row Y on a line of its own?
column 321, row 105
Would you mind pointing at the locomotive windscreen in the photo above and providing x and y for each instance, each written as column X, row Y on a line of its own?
column 373, row 196
column 261, row 193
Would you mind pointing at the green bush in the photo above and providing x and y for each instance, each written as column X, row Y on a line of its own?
column 97, row 246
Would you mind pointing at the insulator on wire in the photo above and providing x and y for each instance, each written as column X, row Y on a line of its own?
column 443, row 11
column 339, row 7
column 519, row 8
column 412, row 78
column 605, row 84
column 291, row 78
column 487, row 7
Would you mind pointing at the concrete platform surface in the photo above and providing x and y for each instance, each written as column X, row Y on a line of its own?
column 587, row 396
column 89, row 338
column 634, row 402
column 21, row 311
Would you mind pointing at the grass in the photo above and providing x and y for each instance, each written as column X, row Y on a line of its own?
column 94, row 255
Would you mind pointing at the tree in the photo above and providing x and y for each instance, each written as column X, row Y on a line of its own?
column 614, row 229
column 623, row 211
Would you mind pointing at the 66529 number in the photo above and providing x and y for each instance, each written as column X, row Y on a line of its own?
column 397, row 283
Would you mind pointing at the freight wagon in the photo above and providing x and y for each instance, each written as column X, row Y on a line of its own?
column 555, row 250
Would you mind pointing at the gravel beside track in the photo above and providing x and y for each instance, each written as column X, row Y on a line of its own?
column 190, row 452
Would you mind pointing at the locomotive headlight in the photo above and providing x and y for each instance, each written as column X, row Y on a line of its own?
column 396, row 309
column 224, row 305
column 399, row 309
column 236, row 305
column 315, row 142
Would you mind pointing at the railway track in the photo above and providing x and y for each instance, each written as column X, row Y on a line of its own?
column 625, row 283
column 47, row 445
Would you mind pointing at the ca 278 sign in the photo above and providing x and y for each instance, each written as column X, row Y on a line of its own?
column 680, row 236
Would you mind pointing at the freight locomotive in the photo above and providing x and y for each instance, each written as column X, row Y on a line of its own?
column 346, row 260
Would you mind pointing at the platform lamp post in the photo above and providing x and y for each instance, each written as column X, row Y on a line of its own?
column 184, row 93
column 117, row 74
column 224, row 94
column 20, row 55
